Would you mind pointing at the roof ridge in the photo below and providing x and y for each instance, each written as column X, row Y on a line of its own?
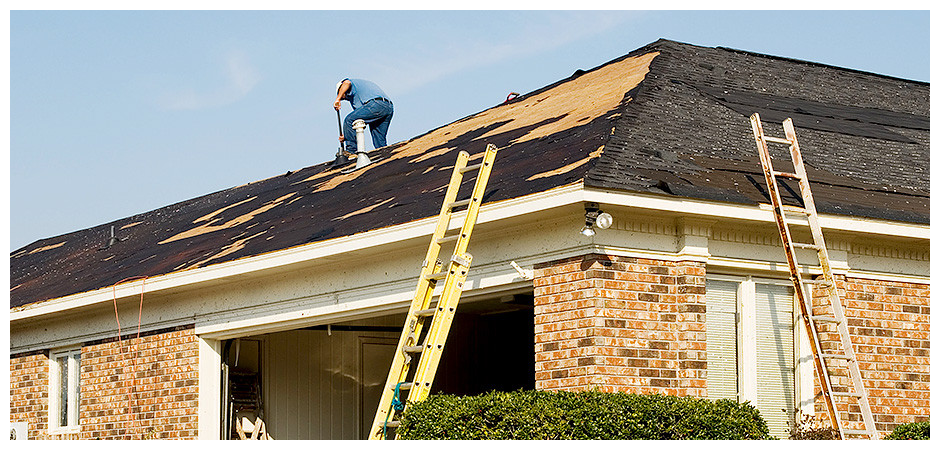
column 664, row 41
column 634, row 96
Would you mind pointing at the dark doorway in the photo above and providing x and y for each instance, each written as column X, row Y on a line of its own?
column 490, row 347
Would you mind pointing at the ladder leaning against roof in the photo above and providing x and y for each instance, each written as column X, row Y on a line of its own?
column 826, row 283
column 427, row 342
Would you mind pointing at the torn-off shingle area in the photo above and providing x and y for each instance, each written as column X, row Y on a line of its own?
column 547, row 139
column 657, row 120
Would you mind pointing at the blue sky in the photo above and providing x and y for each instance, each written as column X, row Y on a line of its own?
column 117, row 113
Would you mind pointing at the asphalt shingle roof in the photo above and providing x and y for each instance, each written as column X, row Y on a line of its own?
column 667, row 119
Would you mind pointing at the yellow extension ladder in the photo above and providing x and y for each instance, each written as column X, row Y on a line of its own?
column 826, row 283
column 418, row 339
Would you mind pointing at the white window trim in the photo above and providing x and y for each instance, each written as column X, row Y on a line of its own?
column 747, row 342
column 74, row 379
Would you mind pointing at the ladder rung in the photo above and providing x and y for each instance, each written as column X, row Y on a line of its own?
column 777, row 140
column 787, row 175
column 459, row 203
column 856, row 432
column 834, row 356
column 807, row 246
column 818, row 282
column 406, row 386
column 825, row 319
column 413, row 348
column 847, row 394
column 437, row 276
column 425, row 312
column 452, row 237
column 392, row 423
column 471, row 168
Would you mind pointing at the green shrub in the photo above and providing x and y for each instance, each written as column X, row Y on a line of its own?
column 917, row 430
column 579, row 415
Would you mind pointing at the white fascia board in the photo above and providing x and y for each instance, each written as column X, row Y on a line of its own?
column 755, row 213
column 554, row 198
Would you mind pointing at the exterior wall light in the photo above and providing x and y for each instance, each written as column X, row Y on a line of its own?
column 594, row 217
column 588, row 231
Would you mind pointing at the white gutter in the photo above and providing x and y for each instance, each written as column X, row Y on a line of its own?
column 541, row 201
column 420, row 228
column 755, row 213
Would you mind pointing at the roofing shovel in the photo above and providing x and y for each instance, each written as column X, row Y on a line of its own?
column 341, row 158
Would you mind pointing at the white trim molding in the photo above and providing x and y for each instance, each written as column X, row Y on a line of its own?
column 73, row 387
column 698, row 217
column 747, row 335
column 571, row 194
column 210, row 389
column 687, row 206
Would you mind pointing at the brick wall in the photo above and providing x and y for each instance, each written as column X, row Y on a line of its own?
column 29, row 388
column 140, row 389
column 620, row 324
column 638, row 325
column 889, row 323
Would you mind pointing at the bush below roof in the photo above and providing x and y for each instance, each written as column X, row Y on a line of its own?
column 580, row 415
column 911, row 431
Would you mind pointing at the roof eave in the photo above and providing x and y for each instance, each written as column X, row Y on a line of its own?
column 554, row 198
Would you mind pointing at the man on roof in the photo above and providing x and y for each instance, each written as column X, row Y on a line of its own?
column 370, row 104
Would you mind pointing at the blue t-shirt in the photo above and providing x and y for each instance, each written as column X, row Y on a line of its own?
column 361, row 91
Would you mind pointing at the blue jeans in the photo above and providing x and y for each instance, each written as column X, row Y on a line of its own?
column 378, row 114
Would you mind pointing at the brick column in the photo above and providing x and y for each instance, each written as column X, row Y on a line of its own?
column 29, row 392
column 620, row 324
column 889, row 324
column 690, row 327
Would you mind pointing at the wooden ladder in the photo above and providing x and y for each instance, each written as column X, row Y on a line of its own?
column 826, row 283
column 427, row 342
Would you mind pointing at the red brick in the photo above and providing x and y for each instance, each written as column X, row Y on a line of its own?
column 649, row 319
column 122, row 392
column 888, row 325
column 637, row 321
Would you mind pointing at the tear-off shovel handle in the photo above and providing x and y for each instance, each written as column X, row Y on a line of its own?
column 339, row 123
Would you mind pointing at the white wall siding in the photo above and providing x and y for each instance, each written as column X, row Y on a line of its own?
column 312, row 383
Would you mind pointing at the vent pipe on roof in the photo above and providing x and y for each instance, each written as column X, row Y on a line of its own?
column 362, row 159
column 112, row 240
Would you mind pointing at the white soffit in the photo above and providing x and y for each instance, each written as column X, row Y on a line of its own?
column 541, row 201
column 565, row 195
column 686, row 206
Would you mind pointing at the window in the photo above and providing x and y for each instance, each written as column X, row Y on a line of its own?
column 753, row 347
column 721, row 339
column 64, row 390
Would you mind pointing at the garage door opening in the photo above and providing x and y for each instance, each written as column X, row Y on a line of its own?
column 324, row 382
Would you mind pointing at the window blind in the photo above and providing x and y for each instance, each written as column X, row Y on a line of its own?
column 721, row 339
column 775, row 363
